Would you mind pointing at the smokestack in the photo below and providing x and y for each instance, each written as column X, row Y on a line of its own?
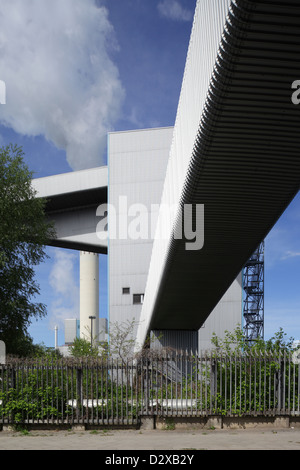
column 89, row 294
column 55, row 337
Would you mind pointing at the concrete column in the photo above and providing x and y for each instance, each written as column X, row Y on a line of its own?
column 89, row 294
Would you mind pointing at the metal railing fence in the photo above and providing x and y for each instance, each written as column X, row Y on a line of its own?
column 114, row 392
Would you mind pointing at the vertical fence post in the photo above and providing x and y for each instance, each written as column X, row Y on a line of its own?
column 280, row 384
column 79, row 392
column 13, row 388
column 146, row 380
column 213, row 377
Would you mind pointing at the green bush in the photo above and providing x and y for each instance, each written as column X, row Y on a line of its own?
column 32, row 402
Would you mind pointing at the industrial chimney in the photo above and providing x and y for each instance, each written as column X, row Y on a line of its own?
column 89, row 295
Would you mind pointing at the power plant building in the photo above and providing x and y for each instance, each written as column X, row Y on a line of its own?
column 137, row 163
column 216, row 160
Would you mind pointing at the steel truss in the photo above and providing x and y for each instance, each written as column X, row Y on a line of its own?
column 253, row 285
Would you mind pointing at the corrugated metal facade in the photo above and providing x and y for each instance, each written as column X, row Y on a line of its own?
column 175, row 340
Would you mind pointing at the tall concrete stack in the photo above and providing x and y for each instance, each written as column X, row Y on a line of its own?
column 89, row 295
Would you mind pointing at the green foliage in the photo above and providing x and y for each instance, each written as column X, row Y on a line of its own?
column 277, row 343
column 81, row 347
column 232, row 341
column 44, row 352
column 42, row 390
column 260, row 376
column 23, row 235
column 32, row 401
column 236, row 341
column 169, row 424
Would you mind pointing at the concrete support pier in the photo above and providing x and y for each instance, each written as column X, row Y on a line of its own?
column 89, row 295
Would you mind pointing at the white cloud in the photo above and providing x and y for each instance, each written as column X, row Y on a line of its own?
column 282, row 243
column 62, row 279
column 172, row 9
column 291, row 254
column 60, row 81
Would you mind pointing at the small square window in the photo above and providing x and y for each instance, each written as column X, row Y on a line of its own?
column 126, row 290
column 138, row 299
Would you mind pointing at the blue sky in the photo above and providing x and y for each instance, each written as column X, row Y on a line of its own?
column 75, row 70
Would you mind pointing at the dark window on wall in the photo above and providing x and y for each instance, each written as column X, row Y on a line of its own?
column 126, row 290
column 138, row 299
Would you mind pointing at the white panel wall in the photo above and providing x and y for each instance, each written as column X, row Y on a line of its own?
column 137, row 168
column 209, row 21
column 226, row 316
column 71, row 330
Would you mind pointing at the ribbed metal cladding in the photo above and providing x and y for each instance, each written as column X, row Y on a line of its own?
column 175, row 340
column 245, row 163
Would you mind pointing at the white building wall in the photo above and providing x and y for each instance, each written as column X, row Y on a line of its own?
column 137, row 165
column 71, row 330
column 226, row 316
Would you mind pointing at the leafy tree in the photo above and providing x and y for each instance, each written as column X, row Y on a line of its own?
column 121, row 339
column 236, row 341
column 83, row 348
column 277, row 343
column 24, row 233
column 232, row 342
